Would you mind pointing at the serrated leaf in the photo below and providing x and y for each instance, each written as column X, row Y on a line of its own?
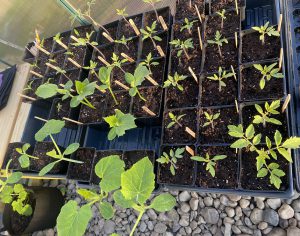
column 236, row 131
column 276, row 181
column 256, row 140
column 198, row 158
column 278, row 172
column 293, row 142
column 262, row 173
column 268, row 142
column 286, row 154
column 163, row 202
column 250, row 132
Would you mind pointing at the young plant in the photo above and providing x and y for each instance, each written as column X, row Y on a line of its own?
column 220, row 77
column 137, row 185
column 109, row 170
column 210, row 162
column 151, row 3
column 250, row 140
column 264, row 116
column 188, row 25
column 29, row 86
column 266, row 30
column 149, row 33
column 136, row 79
column 149, row 62
column 223, row 17
column 124, row 41
column 219, row 41
column 210, row 119
column 268, row 72
column 104, row 76
column 119, row 124
column 93, row 65
column 50, row 128
column 24, row 159
column 57, row 39
column 116, row 62
column 174, row 81
column 183, row 46
column 122, row 12
column 171, row 158
column 175, row 120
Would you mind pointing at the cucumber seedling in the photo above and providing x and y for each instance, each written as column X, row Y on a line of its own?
column 171, row 158
column 24, row 159
column 210, row 119
column 182, row 46
column 174, row 81
column 175, row 120
column 220, row 77
column 266, row 30
column 150, row 32
column 219, row 41
column 268, row 72
column 264, row 116
column 210, row 162
column 104, row 76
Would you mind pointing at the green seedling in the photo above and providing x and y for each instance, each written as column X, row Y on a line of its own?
column 119, row 124
column 264, row 116
column 29, row 86
column 150, row 32
column 124, row 41
column 220, row 77
column 210, row 162
column 174, row 81
column 250, row 140
column 149, row 62
column 223, row 17
column 117, row 62
column 24, row 159
column 188, row 25
column 50, row 128
column 93, row 65
column 122, row 12
column 210, row 119
column 104, row 76
column 183, row 46
column 268, row 72
column 219, row 41
column 151, row 3
column 266, row 30
column 171, row 158
column 175, row 120
column 136, row 79
column 57, row 38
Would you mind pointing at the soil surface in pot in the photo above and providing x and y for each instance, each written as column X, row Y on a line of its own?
column 249, row 179
column 153, row 96
column 226, row 170
column 248, row 113
column 186, row 98
column 79, row 54
column 34, row 83
column 218, row 133
column 217, row 5
column 65, row 37
column 177, row 134
column 70, row 75
column 158, row 72
column 126, row 29
column 211, row 96
column 150, row 17
column 82, row 172
column 183, row 9
column 60, row 109
column 213, row 60
column 107, row 52
column 149, row 47
column 99, row 155
column 184, row 35
column 82, row 30
column 12, row 154
column 184, row 174
column 250, row 89
column 41, row 66
column 112, row 29
column 40, row 150
column 254, row 50
column 89, row 115
column 182, row 63
column 54, row 79
column 123, row 105
column 130, row 50
column 131, row 157
column 59, row 60
column 119, row 75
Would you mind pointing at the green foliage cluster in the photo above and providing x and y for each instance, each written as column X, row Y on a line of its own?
column 171, row 158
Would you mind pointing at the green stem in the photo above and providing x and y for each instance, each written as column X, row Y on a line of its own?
column 86, row 102
column 71, row 160
column 33, row 157
column 113, row 95
column 56, row 147
column 141, row 97
column 137, row 222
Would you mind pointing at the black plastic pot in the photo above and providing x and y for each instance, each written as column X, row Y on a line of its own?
column 47, row 205
column 112, row 28
column 82, row 58
column 29, row 56
column 183, row 8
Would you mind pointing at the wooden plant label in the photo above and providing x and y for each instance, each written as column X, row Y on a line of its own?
column 27, row 97
column 33, row 50
column 193, row 74
column 73, row 121
column 234, row 74
column 74, row 38
column 280, row 58
column 103, row 61
column 127, row 57
column 36, row 74
column 74, row 62
column 122, row 85
column 42, row 49
column 51, row 66
column 236, row 39
column 101, row 90
column 286, row 103
column 108, row 37
column 200, row 38
column 279, row 23
column 134, row 27
column 236, row 106
column 190, row 132
column 198, row 13
column 163, row 23
column 152, row 81
column 41, row 119
column 146, row 109
column 190, row 150
column 63, row 45
column 160, row 51
column 236, row 7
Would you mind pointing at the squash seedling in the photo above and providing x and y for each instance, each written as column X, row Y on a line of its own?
column 119, row 124
column 223, row 17
column 266, row 30
column 220, row 77
column 149, row 33
column 124, row 41
column 171, row 158
column 50, row 128
column 188, row 25
column 264, row 116
column 149, row 62
column 268, row 72
column 219, row 41
column 57, row 38
column 210, row 119
column 210, row 162
column 151, row 3
column 174, row 81
column 175, row 120
column 24, row 159
column 104, row 76
column 183, row 46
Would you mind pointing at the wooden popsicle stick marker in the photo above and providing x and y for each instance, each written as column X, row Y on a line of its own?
column 280, row 58
column 74, row 38
column 200, row 38
column 103, row 61
column 101, row 90
column 74, row 62
column 127, row 57
column 198, row 13
column 236, row 106
column 42, row 49
column 73, row 121
column 122, row 85
column 163, row 23
column 41, row 119
column 134, row 27
column 152, row 81
column 190, row 150
column 62, row 44
column 193, row 74
column 146, row 109
column 190, row 132
column 51, row 66
column 108, row 37
column 233, row 72
column 160, row 51
column 236, row 7
column 236, row 39
column 33, row 50
column 279, row 23
column 286, row 103
column 36, row 74
column 27, row 97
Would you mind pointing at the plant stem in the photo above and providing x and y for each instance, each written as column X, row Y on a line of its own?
column 97, row 50
column 155, row 11
column 220, row 52
column 71, row 160
column 97, row 24
column 33, row 157
column 177, row 122
column 186, row 54
column 153, row 42
column 113, row 95
column 263, row 39
column 126, row 21
column 220, row 87
column 86, row 102
column 141, row 97
column 56, row 147
column 222, row 23
column 137, row 222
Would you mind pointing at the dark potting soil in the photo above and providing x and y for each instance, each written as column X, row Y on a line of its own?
column 107, row 52
column 184, row 35
column 157, row 72
column 250, row 90
column 149, row 47
column 231, row 25
column 249, row 179
column 131, row 157
column 213, row 60
column 177, row 134
column 181, row 64
column 54, row 78
column 153, row 97
column 65, row 38
column 150, row 17
column 12, row 154
column 78, row 56
column 217, row 5
column 183, row 9
column 59, row 59
column 218, row 133
column 119, row 75
column 186, row 98
column 82, row 30
column 130, row 50
column 41, row 65
column 211, row 96
column 40, row 150
column 123, row 105
column 19, row 223
column 99, row 155
column 253, row 50
column 89, row 115
column 248, row 113
column 47, row 46
column 70, row 75
column 36, row 82
column 112, row 29
column 184, row 174
column 82, row 172
column 226, row 170
column 64, row 111
column 126, row 29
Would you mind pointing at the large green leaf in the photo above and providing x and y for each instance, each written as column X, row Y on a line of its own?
column 14, row 177
column 72, row 221
column 71, row 148
column 50, row 127
column 106, row 210
column 121, row 201
column 109, row 170
column 293, row 142
column 138, row 182
column 163, row 202
column 46, row 91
